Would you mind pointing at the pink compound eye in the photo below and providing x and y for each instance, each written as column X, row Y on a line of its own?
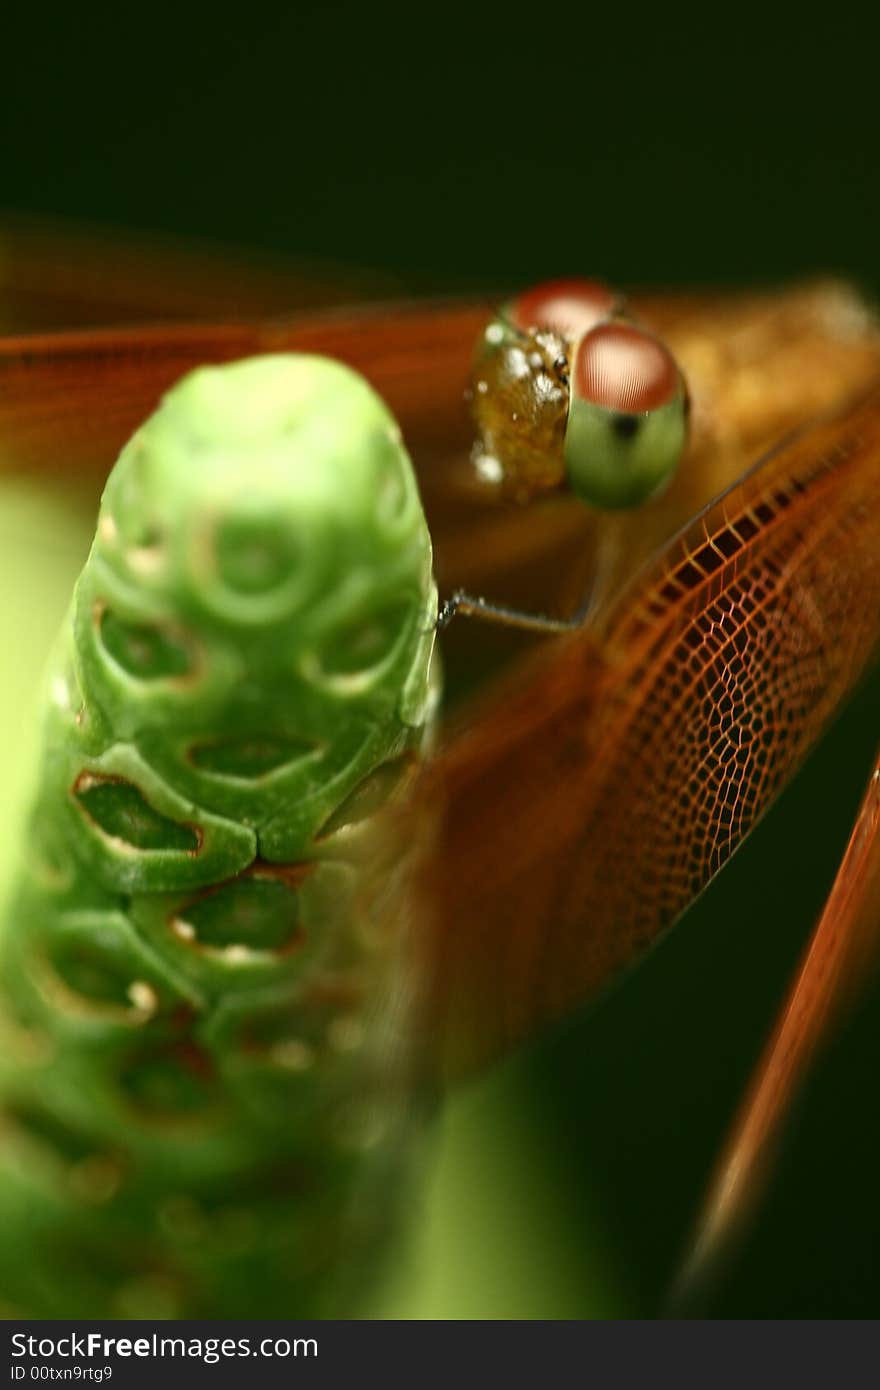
column 621, row 367
column 568, row 307
column 627, row 417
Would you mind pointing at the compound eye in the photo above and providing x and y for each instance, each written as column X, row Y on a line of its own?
column 567, row 307
column 627, row 421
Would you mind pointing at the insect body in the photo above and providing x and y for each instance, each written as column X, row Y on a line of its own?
column 743, row 632
column 200, row 1072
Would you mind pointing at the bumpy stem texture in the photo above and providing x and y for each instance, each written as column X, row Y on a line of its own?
column 206, row 1090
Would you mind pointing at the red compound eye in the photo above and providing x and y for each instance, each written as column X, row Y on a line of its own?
column 568, row 307
column 624, row 368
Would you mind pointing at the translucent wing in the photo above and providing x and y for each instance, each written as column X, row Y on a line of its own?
column 599, row 790
column 756, row 366
column 837, row 964
column 69, row 400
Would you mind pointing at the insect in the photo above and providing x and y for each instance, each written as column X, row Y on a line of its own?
column 655, row 677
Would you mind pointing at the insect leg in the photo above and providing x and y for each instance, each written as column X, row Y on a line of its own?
column 836, row 963
column 471, row 606
column 601, row 582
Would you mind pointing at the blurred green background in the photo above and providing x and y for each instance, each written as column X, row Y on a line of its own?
column 476, row 148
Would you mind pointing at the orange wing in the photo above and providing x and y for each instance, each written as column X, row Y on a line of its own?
column 599, row 790
column 68, row 401
column 756, row 365
column 837, row 965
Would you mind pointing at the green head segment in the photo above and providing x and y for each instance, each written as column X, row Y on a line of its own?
column 254, row 626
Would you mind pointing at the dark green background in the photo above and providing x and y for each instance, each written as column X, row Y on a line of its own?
column 477, row 147
column 465, row 143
